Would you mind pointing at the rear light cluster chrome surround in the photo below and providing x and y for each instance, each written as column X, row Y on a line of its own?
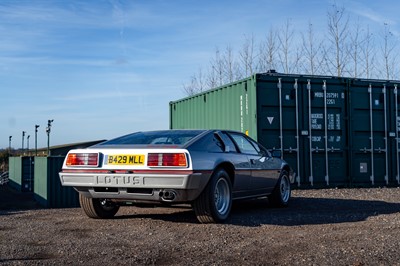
column 83, row 159
column 167, row 160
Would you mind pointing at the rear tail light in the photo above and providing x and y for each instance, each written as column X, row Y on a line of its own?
column 82, row 159
column 167, row 159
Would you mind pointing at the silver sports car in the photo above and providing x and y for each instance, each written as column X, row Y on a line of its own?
column 206, row 168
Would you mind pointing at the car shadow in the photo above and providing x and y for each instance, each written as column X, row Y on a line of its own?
column 309, row 211
column 181, row 214
column 301, row 211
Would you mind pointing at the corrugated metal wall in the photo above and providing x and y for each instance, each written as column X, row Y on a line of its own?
column 306, row 119
column 21, row 173
column 333, row 131
column 235, row 103
column 15, row 172
column 374, row 128
column 48, row 190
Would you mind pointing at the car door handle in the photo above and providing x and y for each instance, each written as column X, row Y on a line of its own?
column 253, row 161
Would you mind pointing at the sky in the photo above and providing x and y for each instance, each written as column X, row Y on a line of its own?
column 101, row 69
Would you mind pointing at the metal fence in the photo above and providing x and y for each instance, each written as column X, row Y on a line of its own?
column 4, row 178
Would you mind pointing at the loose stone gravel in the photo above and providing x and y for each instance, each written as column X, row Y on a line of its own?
column 320, row 227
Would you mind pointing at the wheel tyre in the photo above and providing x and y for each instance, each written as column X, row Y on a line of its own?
column 215, row 202
column 98, row 208
column 281, row 194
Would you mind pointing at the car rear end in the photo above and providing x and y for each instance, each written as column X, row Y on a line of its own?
column 135, row 174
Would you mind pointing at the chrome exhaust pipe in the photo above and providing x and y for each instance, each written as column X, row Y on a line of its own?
column 168, row 195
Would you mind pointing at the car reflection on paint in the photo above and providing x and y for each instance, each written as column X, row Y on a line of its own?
column 206, row 168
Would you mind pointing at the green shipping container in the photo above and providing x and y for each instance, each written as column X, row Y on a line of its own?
column 235, row 105
column 333, row 131
column 48, row 191
column 21, row 173
column 374, row 126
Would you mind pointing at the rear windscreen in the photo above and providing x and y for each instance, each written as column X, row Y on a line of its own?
column 168, row 137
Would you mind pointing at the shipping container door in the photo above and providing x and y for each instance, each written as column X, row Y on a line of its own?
column 324, row 131
column 27, row 174
column 368, row 130
column 394, row 128
column 278, row 118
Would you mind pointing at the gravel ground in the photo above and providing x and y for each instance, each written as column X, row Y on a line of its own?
column 320, row 227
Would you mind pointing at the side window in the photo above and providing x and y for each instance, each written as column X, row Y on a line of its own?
column 217, row 146
column 244, row 144
column 228, row 142
column 260, row 149
column 209, row 143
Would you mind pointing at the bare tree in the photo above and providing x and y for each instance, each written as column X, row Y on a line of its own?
column 311, row 50
column 212, row 79
column 191, row 88
column 368, row 54
column 217, row 69
column 388, row 55
column 354, row 49
column 346, row 51
column 285, row 47
column 268, row 52
column 338, row 32
column 246, row 56
column 200, row 79
column 196, row 84
column 298, row 57
column 231, row 68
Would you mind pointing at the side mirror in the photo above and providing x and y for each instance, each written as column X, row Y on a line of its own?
column 276, row 154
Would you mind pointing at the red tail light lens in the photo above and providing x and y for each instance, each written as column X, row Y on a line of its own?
column 167, row 159
column 82, row 159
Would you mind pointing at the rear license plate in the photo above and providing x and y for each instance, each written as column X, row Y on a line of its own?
column 125, row 159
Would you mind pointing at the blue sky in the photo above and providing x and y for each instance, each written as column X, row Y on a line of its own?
column 101, row 69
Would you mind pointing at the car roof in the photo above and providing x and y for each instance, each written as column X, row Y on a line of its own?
column 124, row 141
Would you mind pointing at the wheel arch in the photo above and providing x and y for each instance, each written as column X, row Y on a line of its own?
column 290, row 173
column 229, row 168
column 286, row 168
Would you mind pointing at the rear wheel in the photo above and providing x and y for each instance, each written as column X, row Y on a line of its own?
column 98, row 208
column 281, row 194
column 215, row 202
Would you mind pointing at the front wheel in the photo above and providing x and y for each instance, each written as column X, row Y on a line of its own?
column 281, row 194
column 215, row 202
column 98, row 208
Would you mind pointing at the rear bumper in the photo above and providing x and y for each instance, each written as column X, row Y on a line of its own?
column 146, row 187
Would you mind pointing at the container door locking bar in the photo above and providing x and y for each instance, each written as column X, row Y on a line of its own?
column 326, row 135
column 280, row 116
column 296, row 149
column 397, row 134
column 371, row 138
column 386, row 135
column 311, row 178
column 297, row 131
column 372, row 149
